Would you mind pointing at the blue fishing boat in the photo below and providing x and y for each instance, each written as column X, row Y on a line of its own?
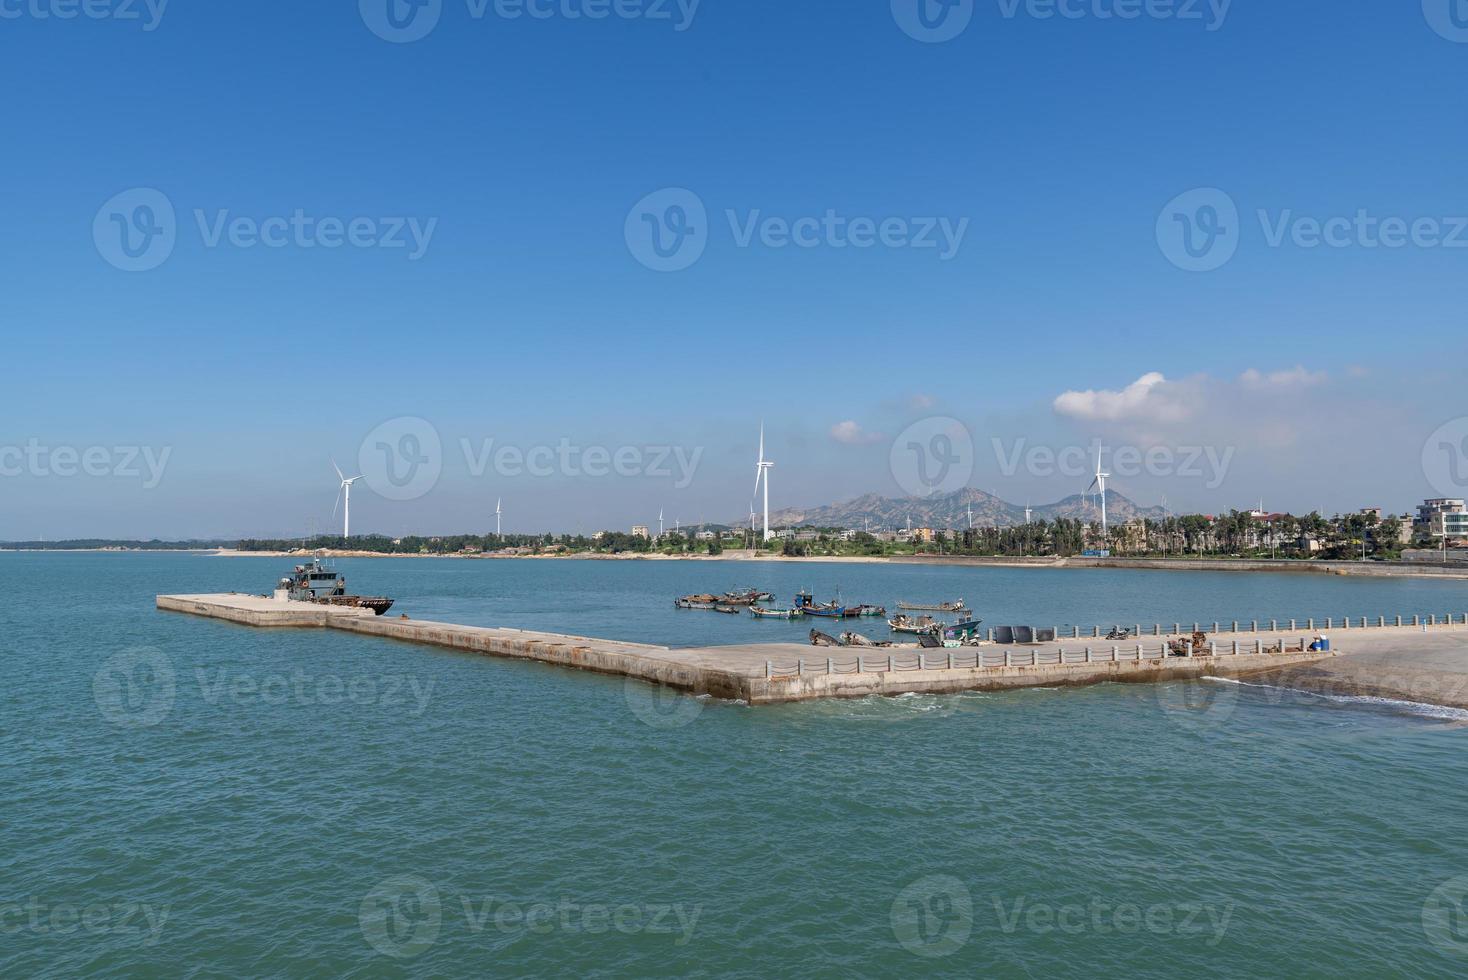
column 808, row 606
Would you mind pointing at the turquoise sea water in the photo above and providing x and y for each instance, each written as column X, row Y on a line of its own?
column 186, row 797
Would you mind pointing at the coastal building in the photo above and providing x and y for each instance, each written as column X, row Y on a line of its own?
column 924, row 535
column 1131, row 536
column 1443, row 517
column 640, row 531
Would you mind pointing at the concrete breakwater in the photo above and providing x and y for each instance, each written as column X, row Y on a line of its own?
column 769, row 673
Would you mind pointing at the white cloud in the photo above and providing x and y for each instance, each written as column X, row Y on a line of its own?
column 1151, row 398
column 1295, row 377
column 852, row 434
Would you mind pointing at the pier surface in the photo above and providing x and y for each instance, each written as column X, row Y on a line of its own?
column 769, row 673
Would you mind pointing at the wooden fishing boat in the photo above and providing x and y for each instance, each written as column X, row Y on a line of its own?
column 746, row 597
column 763, row 613
column 857, row 640
column 919, row 627
column 807, row 605
column 819, row 639
column 966, row 630
column 718, row 607
column 938, row 607
column 857, row 612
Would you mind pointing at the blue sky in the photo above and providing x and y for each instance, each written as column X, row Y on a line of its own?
column 1055, row 143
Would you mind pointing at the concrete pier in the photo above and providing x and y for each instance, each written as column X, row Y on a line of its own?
column 770, row 673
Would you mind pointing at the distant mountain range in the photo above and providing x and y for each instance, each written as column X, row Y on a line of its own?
column 951, row 511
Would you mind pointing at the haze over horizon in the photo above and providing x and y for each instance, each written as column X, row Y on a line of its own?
column 856, row 256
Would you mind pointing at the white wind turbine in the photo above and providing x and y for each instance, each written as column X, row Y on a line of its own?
column 1100, row 483
column 499, row 511
column 660, row 522
column 344, row 492
column 762, row 469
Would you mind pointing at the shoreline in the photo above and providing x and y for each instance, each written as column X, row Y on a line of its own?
column 1346, row 568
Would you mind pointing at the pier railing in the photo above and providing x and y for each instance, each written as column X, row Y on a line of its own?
column 1259, row 626
column 1134, row 649
column 987, row 658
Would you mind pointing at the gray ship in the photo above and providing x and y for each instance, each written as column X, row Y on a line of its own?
column 319, row 582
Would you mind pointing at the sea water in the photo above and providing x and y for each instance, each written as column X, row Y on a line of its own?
column 182, row 796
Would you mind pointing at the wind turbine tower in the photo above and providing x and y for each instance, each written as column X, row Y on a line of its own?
column 762, row 469
column 1100, row 484
column 344, row 492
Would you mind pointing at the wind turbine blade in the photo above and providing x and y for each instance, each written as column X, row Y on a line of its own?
column 336, row 506
column 762, row 441
column 339, row 474
column 1092, row 486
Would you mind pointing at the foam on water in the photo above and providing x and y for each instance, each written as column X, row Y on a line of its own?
column 1419, row 708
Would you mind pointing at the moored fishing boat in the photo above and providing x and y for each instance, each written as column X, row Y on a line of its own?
column 917, row 626
column 807, row 605
column 934, row 607
column 856, row 612
column 747, row 597
column 718, row 607
column 964, row 631
column 764, row 613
